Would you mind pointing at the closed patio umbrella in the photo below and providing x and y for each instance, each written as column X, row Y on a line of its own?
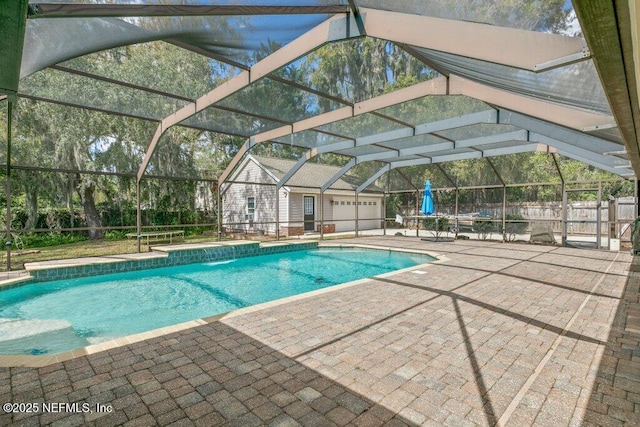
column 427, row 200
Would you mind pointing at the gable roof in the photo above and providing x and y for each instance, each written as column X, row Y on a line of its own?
column 310, row 175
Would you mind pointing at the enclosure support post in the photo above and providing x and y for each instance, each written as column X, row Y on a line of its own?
column 219, row 211
column 563, row 240
column 564, row 214
column 418, row 213
column 504, row 213
column 384, row 204
column 277, row 212
column 384, row 215
column 456, row 213
column 321, row 215
column 504, row 199
column 138, row 215
column 599, row 217
column 635, row 198
column 8, row 241
column 356, row 203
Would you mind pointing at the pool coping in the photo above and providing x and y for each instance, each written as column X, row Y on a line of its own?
column 38, row 361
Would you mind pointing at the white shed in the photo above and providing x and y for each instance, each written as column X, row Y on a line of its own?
column 249, row 195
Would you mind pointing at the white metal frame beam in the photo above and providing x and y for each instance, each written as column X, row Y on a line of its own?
column 338, row 175
column 487, row 116
column 373, row 178
column 337, row 28
column 558, row 132
column 579, row 153
column 437, row 86
column 525, row 148
column 579, row 146
column 548, row 111
column 66, row 10
column 518, row 135
column 528, row 50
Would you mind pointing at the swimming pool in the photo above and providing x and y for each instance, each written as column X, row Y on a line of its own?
column 56, row 316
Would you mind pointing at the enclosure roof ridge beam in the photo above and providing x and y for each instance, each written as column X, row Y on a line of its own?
column 487, row 116
column 474, row 143
column 338, row 175
column 516, row 149
column 430, row 87
column 245, row 67
column 589, row 161
column 336, row 28
column 435, row 86
column 383, row 155
column 615, row 153
column 70, row 10
column 557, row 132
column 578, row 153
column 373, row 178
column 523, row 49
column 517, row 135
column 544, row 110
column 525, row 148
column 425, row 149
column 381, row 137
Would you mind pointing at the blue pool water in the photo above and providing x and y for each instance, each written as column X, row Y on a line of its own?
column 51, row 317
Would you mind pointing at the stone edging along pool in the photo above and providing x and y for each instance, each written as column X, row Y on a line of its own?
column 161, row 256
column 175, row 255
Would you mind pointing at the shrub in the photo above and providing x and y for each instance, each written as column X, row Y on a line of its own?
column 484, row 228
column 39, row 240
column 513, row 228
column 429, row 223
column 117, row 234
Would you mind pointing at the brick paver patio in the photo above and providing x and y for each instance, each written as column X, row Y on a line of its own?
column 507, row 334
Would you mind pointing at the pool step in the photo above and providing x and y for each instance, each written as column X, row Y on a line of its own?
column 39, row 336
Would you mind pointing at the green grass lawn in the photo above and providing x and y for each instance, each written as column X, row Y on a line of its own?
column 86, row 248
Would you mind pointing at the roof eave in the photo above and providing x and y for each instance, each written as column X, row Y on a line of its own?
column 612, row 37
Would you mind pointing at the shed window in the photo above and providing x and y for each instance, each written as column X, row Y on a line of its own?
column 251, row 206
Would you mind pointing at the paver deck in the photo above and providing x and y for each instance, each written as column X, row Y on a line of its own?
column 499, row 334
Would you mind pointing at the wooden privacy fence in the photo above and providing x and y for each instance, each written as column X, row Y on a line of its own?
column 576, row 211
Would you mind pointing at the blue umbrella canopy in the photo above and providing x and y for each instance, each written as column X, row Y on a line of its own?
column 427, row 200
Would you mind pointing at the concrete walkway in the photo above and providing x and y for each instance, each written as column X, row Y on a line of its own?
column 498, row 334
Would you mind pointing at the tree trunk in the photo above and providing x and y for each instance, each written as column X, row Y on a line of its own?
column 91, row 213
column 72, row 212
column 31, row 206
